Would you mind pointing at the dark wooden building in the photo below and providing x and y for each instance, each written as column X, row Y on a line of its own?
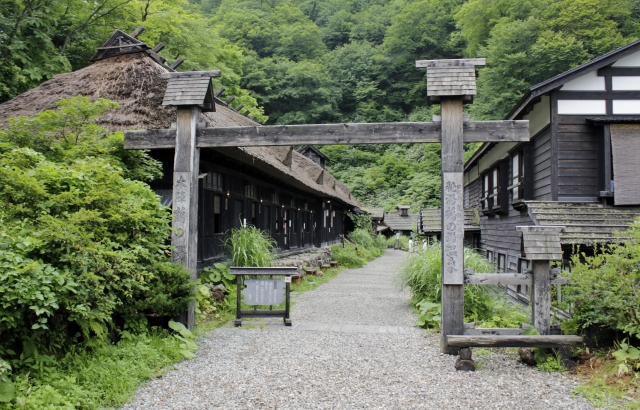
column 277, row 189
column 401, row 222
column 430, row 225
column 579, row 168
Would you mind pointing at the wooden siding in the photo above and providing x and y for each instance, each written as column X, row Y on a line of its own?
column 578, row 145
column 472, row 194
column 499, row 235
column 626, row 151
column 542, row 166
column 289, row 223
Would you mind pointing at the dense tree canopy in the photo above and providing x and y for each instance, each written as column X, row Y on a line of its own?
column 318, row 61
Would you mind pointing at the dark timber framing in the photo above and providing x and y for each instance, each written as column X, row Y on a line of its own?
column 451, row 132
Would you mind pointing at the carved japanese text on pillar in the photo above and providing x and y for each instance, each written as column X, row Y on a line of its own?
column 453, row 229
column 180, row 223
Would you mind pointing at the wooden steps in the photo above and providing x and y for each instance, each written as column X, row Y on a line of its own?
column 513, row 341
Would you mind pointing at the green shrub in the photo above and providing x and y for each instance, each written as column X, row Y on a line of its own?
column 82, row 245
column 604, row 288
column 422, row 275
column 249, row 246
column 347, row 256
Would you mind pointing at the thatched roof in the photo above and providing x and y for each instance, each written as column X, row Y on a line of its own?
column 133, row 80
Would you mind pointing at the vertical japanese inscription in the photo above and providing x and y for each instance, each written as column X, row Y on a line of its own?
column 452, row 228
column 180, row 223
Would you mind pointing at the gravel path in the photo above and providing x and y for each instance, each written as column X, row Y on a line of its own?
column 352, row 346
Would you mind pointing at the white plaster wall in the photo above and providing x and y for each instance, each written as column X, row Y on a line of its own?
column 632, row 60
column 498, row 152
column 581, row 107
column 625, row 83
column 471, row 175
column 540, row 116
column 626, row 106
column 587, row 82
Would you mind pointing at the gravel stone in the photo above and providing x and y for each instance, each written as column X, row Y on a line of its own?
column 274, row 367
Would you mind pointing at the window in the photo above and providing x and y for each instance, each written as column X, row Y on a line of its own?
column 495, row 187
column 213, row 180
column 217, row 220
column 250, row 191
column 517, row 177
column 275, row 198
column 484, row 202
column 294, row 227
column 490, row 255
column 277, row 215
column 502, row 262
column 524, row 266
column 254, row 220
column 292, row 203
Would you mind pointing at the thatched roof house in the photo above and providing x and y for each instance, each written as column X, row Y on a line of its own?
column 276, row 189
column 133, row 81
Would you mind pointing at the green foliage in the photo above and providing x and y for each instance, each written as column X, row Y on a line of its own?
column 104, row 376
column 422, row 275
column 627, row 356
column 73, row 266
column 361, row 248
column 187, row 346
column 551, row 363
column 603, row 288
column 429, row 315
column 249, row 246
column 219, row 273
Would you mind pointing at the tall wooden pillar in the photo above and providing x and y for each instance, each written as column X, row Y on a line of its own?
column 541, row 297
column 184, row 237
column 452, row 222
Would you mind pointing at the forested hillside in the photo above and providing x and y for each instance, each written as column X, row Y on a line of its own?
column 320, row 61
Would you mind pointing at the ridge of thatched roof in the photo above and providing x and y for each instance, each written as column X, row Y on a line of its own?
column 133, row 81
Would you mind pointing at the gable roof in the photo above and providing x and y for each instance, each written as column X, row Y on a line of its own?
column 315, row 150
column 563, row 78
column 396, row 222
column 431, row 220
column 552, row 83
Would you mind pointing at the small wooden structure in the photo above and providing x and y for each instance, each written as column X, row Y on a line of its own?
column 265, row 292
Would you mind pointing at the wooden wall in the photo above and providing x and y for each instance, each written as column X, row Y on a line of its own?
column 542, row 165
column 298, row 220
column 578, row 146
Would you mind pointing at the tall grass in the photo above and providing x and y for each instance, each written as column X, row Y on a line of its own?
column 249, row 246
column 363, row 248
column 422, row 274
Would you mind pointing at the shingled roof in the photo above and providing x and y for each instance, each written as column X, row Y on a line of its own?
column 431, row 220
column 134, row 82
column 585, row 223
column 396, row 222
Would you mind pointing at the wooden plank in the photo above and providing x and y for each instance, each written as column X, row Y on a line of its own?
column 151, row 139
column 513, row 341
column 498, row 279
column 192, row 74
column 324, row 134
column 137, row 32
column 452, row 221
column 176, row 63
column 492, row 331
column 184, row 235
column 541, row 297
column 158, row 48
column 277, row 270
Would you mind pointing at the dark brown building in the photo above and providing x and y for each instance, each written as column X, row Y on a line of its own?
column 579, row 169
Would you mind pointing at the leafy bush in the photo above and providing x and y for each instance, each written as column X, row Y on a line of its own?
column 347, row 256
column 82, row 245
column 103, row 377
column 422, row 274
column 249, row 246
column 604, row 287
column 363, row 248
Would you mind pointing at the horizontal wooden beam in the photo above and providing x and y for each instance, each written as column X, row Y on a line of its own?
column 327, row 134
column 506, row 279
column 276, row 270
column 492, row 331
column 150, row 139
column 513, row 341
column 461, row 62
column 191, row 74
